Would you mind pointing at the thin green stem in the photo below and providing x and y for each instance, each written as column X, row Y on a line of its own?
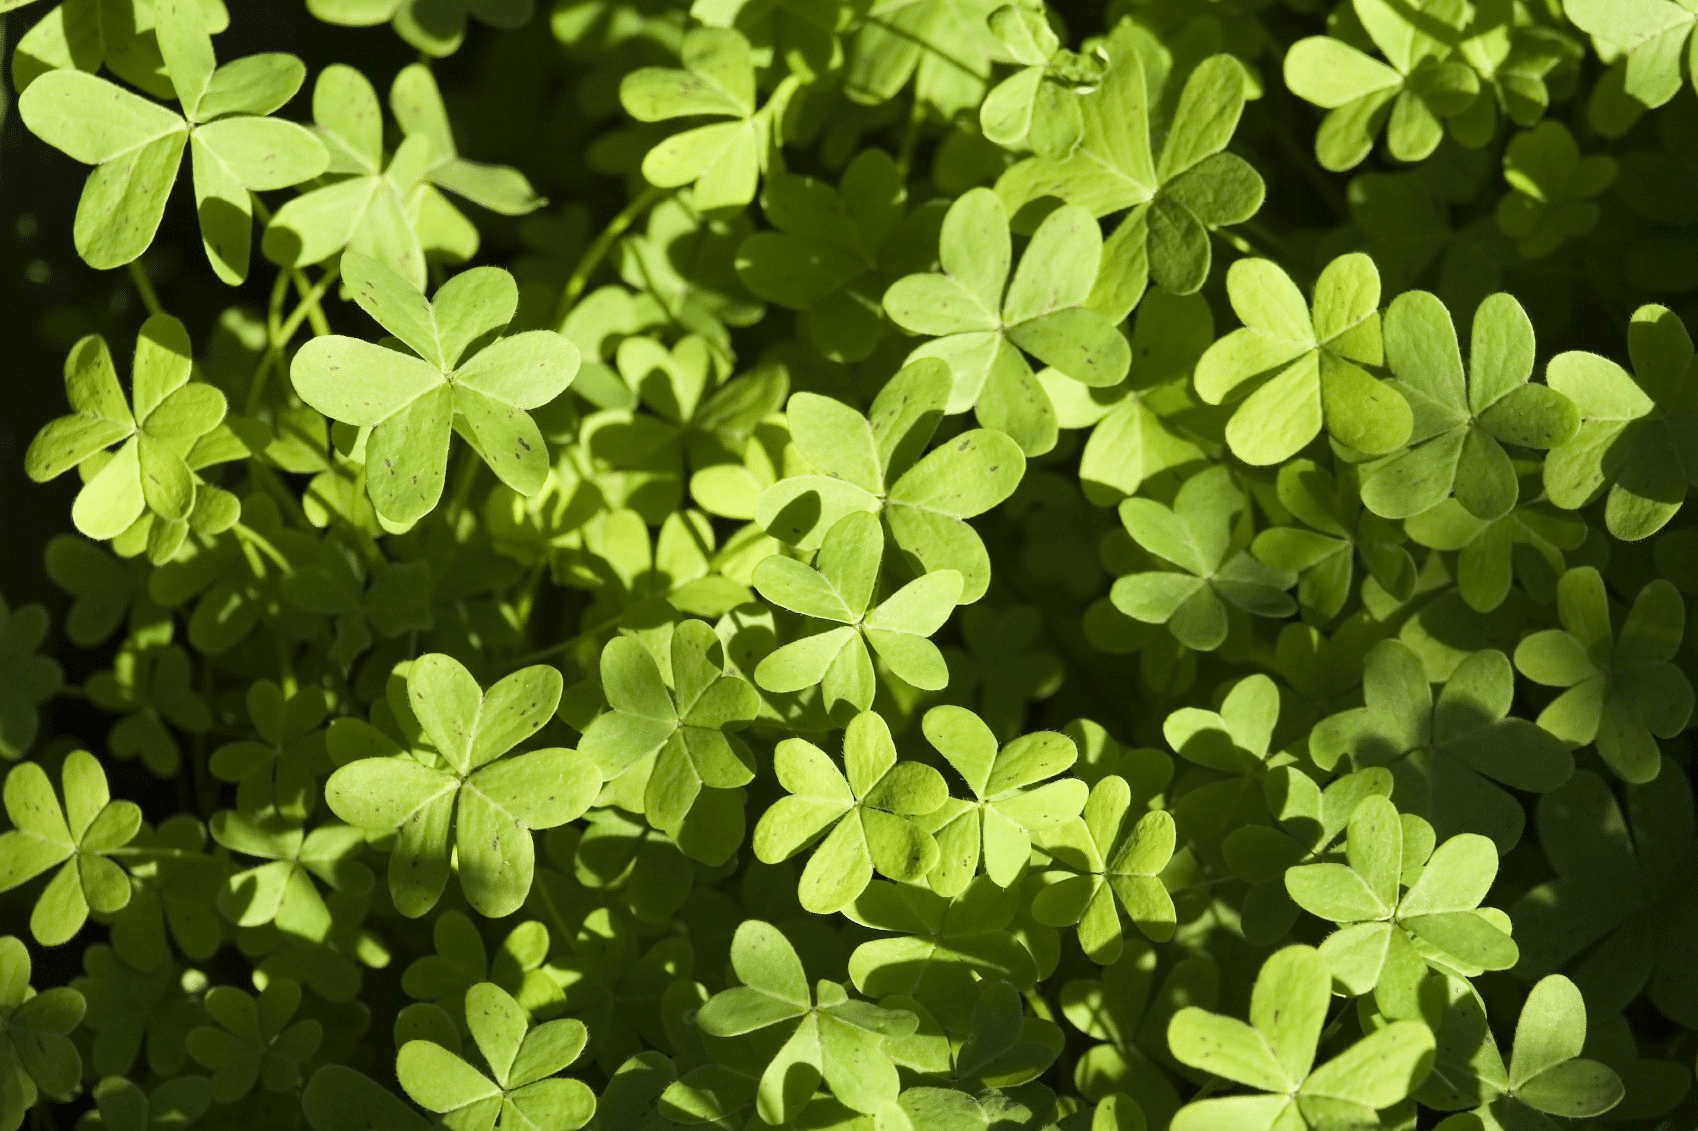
column 260, row 542
column 566, row 645
column 144, row 287
column 597, row 251
column 309, row 294
column 910, row 138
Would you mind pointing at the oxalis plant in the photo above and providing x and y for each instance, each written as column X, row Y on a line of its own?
column 943, row 565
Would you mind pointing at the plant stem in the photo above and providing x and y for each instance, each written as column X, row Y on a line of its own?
column 144, row 287
column 597, row 251
column 260, row 542
column 552, row 650
column 310, row 294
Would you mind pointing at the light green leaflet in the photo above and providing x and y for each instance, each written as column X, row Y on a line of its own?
column 159, row 429
column 436, row 27
column 935, row 937
column 1177, row 196
column 1546, row 1077
column 521, row 1089
column 36, row 1052
column 455, row 379
column 1306, row 361
column 1552, row 189
column 137, row 145
column 723, row 160
column 1037, row 107
column 1011, row 798
column 878, row 463
column 1275, row 1053
column 254, row 1040
column 1402, row 904
column 984, row 325
column 77, row 837
column 1622, row 691
column 828, row 1036
column 489, row 801
column 393, row 210
column 1654, row 34
column 1448, row 755
column 871, row 808
column 1105, row 861
column 1638, row 433
column 282, row 891
column 1462, row 424
column 839, row 589
column 1411, row 94
column 1201, row 536
column 659, row 747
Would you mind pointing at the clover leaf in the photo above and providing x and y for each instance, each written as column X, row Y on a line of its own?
column 1275, row 1053
column 1177, row 196
column 120, row 1105
column 153, row 689
column 1653, row 34
column 157, row 430
column 874, row 463
column 933, row 934
column 36, row 1053
column 1410, row 95
column 1529, row 544
column 136, row 145
column 660, row 747
column 722, row 160
column 1546, row 1077
column 78, row 837
column 461, row 960
column 1307, row 361
column 1447, row 756
column 1552, row 186
column 26, row 679
column 278, row 770
column 490, row 801
column 1402, row 904
column 984, row 326
column 282, row 891
column 1462, row 425
column 393, row 209
column 435, row 27
column 339, row 1099
column 253, row 1041
column 839, row 589
column 872, row 809
column 1637, row 433
column 826, row 1035
column 1104, row 863
column 1037, row 107
column 412, row 402
column 1198, row 535
column 1008, row 803
column 521, row 1089
column 1622, row 691
column 1620, row 904
column 1334, row 535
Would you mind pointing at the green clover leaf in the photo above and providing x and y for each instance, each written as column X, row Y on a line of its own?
column 1462, row 425
column 1546, row 1077
column 1530, row 544
column 282, row 891
column 1411, row 94
column 522, row 1088
column 660, row 747
column 120, row 1105
column 77, row 837
column 984, row 326
column 1620, row 904
column 722, row 160
column 413, row 402
column 826, row 1035
column 1176, row 197
column 489, row 801
column 118, row 35
column 1335, row 534
column 278, row 770
column 868, row 814
column 153, row 689
column 1514, row 61
column 340, row 1099
column 252, row 1040
column 874, row 463
column 1453, row 756
column 1275, row 1053
column 1552, row 186
column 1638, row 434
column 435, row 27
column 1401, row 904
column 1653, row 34
column 1037, row 107
column 393, row 209
column 1307, row 362
column 1105, row 863
column 1199, row 535
column 839, row 590
column 156, row 431
column 36, row 1053
column 136, row 145
column 26, row 679
column 1011, row 798
column 931, row 935
column 1621, row 691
